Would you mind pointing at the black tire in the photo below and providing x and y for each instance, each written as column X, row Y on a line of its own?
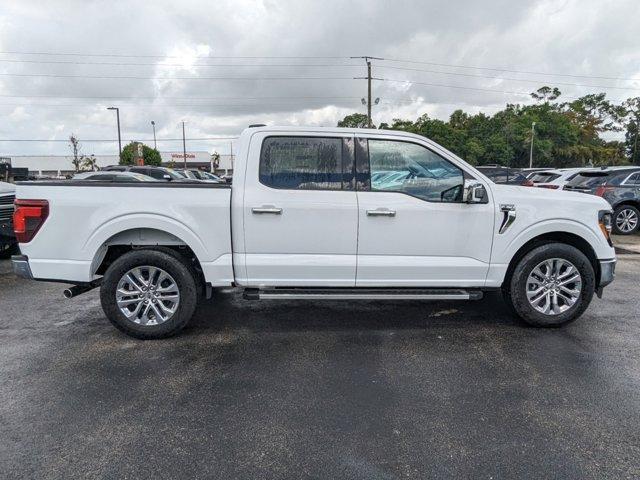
column 620, row 210
column 514, row 292
column 171, row 264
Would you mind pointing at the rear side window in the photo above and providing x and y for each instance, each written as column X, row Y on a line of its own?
column 588, row 179
column 544, row 177
column 304, row 163
column 633, row 179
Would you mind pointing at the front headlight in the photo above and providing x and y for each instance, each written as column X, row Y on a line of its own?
column 605, row 220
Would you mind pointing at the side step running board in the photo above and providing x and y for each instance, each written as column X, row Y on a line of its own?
column 361, row 294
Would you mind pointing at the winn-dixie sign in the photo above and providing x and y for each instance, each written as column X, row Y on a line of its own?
column 181, row 156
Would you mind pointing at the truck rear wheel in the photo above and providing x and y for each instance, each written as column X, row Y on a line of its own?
column 148, row 294
column 551, row 285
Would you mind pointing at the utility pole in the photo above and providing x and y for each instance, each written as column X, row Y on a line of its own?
column 368, row 59
column 184, row 147
column 635, row 143
column 153, row 124
column 533, row 132
column 231, row 156
column 119, row 140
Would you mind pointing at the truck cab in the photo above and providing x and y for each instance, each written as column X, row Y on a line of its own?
column 323, row 213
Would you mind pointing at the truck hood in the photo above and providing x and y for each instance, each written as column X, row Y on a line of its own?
column 557, row 201
column 7, row 188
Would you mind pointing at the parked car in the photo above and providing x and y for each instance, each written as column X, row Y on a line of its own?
column 303, row 220
column 228, row 178
column 555, row 178
column 113, row 176
column 620, row 186
column 8, row 241
column 505, row 175
column 530, row 172
column 207, row 176
column 159, row 173
column 195, row 174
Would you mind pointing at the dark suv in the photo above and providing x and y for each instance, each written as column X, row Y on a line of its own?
column 618, row 186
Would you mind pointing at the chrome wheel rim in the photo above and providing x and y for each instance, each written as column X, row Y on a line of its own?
column 147, row 295
column 554, row 286
column 626, row 220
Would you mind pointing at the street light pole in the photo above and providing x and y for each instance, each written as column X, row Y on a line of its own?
column 119, row 138
column 533, row 132
column 184, row 147
column 153, row 124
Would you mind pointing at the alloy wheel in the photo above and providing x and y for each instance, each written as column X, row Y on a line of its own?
column 626, row 220
column 147, row 295
column 554, row 286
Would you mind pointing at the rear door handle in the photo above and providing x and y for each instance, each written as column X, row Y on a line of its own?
column 381, row 212
column 267, row 210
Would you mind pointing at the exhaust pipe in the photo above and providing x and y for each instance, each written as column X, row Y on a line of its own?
column 80, row 289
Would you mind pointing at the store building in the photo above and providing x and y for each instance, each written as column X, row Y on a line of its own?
column 61, row 165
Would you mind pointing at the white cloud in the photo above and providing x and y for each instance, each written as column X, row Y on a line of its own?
column 587, row 37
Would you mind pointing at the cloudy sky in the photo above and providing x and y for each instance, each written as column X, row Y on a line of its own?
column 221, row 65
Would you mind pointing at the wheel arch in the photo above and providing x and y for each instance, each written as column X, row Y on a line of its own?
column 554, row 237
column 130, row 239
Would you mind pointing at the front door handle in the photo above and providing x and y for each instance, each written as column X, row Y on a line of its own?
column 267, row 209
column 381, row 212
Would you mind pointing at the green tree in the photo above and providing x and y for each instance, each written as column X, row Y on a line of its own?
column 355, row 120
column 150, row 155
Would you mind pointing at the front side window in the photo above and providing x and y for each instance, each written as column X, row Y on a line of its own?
column 302, row 163
column 415, row 170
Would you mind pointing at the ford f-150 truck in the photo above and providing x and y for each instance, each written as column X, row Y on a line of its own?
column 317, row 213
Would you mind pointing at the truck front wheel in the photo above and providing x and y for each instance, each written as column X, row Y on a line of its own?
column 551, row 285
column 148, row 294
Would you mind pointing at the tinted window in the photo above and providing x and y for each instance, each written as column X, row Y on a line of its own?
column 413, row 169
column 151, row 172
column 302, row 163
column 544, row 177
column 633, row 179
column 588, row 179
column 104, row 178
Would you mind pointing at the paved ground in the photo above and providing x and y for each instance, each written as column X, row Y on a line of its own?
column 368, row 390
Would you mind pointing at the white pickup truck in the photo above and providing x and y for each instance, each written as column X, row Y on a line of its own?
column 317, row 213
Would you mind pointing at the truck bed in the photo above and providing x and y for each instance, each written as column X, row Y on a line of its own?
column 87, row 217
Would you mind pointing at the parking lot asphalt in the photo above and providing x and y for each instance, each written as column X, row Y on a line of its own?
column 359, row 390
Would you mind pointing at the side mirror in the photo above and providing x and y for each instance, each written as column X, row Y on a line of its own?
column 167, row 177
column 475, row 193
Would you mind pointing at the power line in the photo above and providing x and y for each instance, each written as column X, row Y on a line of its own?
column 132, row 77
column 476, row 75
column 175, row 98
column 117, row 55
column 317, row 57
column 136, row 64
column 495, row 69
column 109, row 141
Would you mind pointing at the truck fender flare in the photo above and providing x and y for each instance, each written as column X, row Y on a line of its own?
column 138, row 221
column 561, row 225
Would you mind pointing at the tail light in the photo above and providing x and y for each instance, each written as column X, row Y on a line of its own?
column 28, row 217
column 602, row 190
column 552, row 187
column 528, row 183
